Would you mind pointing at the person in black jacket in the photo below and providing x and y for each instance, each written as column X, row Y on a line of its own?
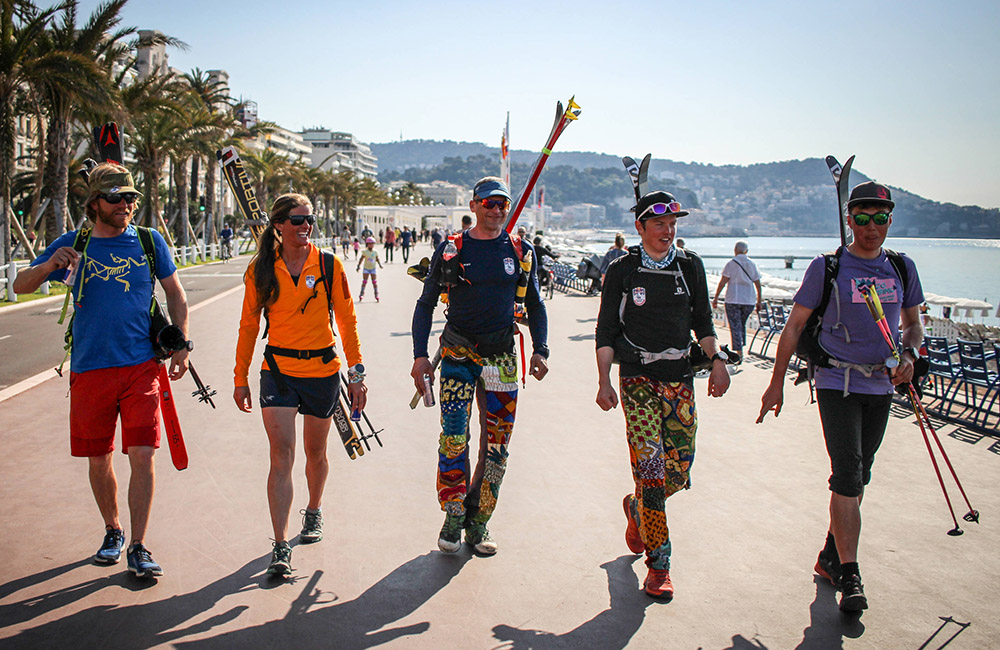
column 653, row 298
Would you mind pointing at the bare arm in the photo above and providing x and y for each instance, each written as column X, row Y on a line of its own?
column 912, row 336
column 607, row 398
column 773, row 397
column 718, row 290
column 31, row 278
column 760, row 298
column 718, row 379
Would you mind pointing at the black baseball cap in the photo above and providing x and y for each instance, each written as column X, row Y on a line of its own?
column 870, row 192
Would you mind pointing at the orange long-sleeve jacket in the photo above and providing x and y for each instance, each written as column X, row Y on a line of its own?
column 299, row 320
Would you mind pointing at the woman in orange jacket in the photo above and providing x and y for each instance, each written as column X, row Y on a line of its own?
column 285, row 281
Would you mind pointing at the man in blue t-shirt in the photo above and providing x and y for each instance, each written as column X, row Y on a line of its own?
column 481, row 269
column 855, row 395
column 113, row 367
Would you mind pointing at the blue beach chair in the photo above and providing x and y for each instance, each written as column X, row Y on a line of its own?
column 975, row 373
column 943, row 374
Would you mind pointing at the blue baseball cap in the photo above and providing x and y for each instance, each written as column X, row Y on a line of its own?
column 488, row 187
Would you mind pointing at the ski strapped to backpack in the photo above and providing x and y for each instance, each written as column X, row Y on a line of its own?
column 809, row 347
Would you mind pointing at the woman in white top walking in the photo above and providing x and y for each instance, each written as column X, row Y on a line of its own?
column 742, row 277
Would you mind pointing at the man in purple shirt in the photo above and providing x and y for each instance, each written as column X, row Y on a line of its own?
column 855, row 394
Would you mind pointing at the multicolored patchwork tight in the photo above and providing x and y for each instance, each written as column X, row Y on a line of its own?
column 660, row 422
column 493, row 381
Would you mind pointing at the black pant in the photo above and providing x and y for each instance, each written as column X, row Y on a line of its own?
column 853, row 427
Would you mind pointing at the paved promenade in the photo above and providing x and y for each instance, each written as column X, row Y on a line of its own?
column 745, row 537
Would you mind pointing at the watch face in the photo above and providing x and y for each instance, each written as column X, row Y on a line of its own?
column 358, row 368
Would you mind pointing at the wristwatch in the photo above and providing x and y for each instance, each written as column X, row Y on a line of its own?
column 543, row 351
column 189, row 345
column 915, row 353
column 720, row 357
column 356, row 374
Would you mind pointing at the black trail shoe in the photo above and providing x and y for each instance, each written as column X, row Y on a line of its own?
column 852, row 598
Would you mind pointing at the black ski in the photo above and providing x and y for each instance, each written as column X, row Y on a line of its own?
column 639, row 174
column 841, row 180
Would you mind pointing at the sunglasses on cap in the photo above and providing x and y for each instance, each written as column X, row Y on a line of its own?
column 491, row 203
column 298, row 219
column 115, row 199
column 880, row 218
column 660, row 209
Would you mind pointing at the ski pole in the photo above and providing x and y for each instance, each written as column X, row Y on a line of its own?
column 973, row 514
column 875, row 307
column 204, row 392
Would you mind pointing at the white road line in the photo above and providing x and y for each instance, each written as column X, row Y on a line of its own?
column 5, row 336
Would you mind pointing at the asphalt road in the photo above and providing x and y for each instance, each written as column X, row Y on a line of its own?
column 31, row 339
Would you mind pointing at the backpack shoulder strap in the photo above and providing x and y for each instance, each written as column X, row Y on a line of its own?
column 831, row 267
column 896, row 259
column 326, row 265
column 149, row 249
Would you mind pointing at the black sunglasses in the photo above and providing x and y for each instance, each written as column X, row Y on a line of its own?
column 298, row 219
column 115, row 199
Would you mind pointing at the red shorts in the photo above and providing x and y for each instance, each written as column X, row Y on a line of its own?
column 98, row 397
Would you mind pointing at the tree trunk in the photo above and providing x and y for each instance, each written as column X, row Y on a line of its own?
column 181, row 185
column 211, row 202
column 56, row 183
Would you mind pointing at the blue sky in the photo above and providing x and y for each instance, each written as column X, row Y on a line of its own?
column 911, row 88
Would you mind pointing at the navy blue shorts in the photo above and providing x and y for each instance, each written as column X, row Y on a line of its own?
column 316, row 396
column 853, row 427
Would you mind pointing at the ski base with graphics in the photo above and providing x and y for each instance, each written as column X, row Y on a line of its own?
column 171, row 425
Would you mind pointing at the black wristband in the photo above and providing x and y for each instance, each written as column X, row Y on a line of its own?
column 542, row 351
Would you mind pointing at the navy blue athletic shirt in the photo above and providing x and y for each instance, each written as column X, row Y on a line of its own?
column 487, row 304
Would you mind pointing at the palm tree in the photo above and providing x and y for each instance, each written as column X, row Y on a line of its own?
column 21, row 65
column 213, row 94
column 153, row 117
column 95, row 49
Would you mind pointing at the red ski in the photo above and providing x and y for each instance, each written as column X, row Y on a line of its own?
column 171, row 425
column 563, row 118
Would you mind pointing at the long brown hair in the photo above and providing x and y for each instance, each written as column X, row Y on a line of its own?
column 268, row 248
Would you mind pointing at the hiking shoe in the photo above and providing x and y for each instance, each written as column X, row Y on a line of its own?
column 281, row 560
column 829, row 568
column 450, row 539
column 312, row 527
column 140, row 562
column 111, row 550
column 852, row 598
column 478, row 537
column 632, row 537
column 658, row 585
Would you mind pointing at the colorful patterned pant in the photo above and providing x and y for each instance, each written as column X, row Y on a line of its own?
column 493, row 381
column 660, row 422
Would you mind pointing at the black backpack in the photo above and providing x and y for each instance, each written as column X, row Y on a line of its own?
column 809, row 347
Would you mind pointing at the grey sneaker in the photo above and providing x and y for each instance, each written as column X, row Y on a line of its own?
column 312, row 527
column 111, row 550
column 478, row 537
column 140, row 562
column 281, row 560
column 450, row 539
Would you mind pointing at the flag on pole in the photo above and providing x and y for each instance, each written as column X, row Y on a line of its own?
column 505, row 152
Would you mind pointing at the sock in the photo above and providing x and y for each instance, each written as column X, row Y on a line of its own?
column 850, row 568
column 830, row 550
column 314, row 512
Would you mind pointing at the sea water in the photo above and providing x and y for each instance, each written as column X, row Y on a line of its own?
column 958, row 268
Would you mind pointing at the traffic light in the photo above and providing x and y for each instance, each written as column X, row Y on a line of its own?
column 201, row 204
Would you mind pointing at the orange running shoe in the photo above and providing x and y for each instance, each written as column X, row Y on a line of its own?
column 658, row 585
column 632, row 537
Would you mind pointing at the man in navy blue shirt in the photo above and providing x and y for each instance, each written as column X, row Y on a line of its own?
column 481, row 270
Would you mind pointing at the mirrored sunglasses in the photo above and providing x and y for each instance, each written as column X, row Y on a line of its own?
column 660, row 209
column 880, row 218
column 491, row 203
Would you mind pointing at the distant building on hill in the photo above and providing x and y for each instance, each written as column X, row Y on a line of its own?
column 338, row 151
column 583, row 214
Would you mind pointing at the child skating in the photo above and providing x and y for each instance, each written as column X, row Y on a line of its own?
column 369, row 257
